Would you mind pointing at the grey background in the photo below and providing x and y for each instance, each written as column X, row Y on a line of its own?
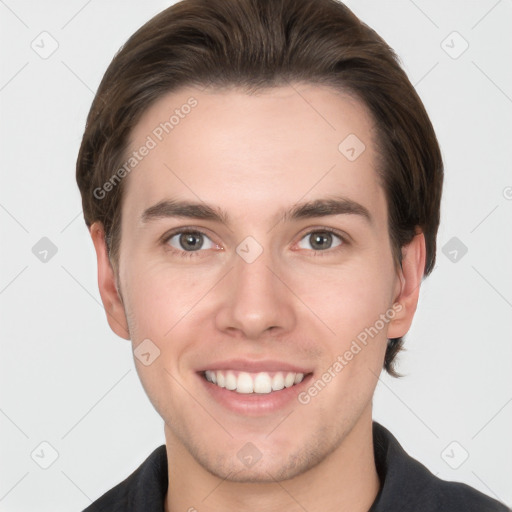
column 66, row 380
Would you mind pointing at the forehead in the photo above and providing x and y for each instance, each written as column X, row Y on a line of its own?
column 254, row 152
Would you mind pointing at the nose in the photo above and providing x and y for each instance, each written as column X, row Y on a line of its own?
column 255, row 300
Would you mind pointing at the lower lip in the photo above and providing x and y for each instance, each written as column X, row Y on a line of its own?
column 255, row 404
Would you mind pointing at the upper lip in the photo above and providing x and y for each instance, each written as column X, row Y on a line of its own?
column 253, row 366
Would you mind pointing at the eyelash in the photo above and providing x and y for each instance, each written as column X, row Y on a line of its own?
column 181, row 231
column 191, row 254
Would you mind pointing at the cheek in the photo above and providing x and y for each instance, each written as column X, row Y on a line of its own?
column 348, row 299
column 160, row 306
column 158, row 297
column 355, row 304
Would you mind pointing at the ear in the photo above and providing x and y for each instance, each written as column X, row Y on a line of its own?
column 107, row 284
column 408, row 289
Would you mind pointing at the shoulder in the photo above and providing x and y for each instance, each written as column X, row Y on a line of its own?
column 454, row 496
column 143, row 490
column 408, row 485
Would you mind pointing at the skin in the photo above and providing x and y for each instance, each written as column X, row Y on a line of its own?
column 255, row 156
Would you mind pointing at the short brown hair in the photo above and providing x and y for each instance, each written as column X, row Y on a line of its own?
column 258, row 44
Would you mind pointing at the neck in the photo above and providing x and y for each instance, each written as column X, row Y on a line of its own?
column 346, row 480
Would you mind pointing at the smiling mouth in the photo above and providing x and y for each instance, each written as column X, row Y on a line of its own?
column 257, row 383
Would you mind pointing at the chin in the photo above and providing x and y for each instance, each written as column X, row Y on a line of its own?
column 271, row 465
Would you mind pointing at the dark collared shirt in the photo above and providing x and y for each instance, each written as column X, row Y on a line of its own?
column 406, row 485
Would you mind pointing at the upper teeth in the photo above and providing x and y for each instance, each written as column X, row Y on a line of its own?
column 244, row 382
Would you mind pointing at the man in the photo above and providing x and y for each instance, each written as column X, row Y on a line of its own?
column 262, row 187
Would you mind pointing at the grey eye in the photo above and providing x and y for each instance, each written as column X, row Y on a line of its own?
column 190, row 241
column 320, row 241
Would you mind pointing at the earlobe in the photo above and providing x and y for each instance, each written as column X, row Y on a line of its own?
column 107, row 284
column 410, row 277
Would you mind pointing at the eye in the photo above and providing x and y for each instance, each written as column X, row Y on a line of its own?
column 190, row 241
column 320, row 240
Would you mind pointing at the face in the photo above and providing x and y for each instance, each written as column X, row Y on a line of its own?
column 255, row 255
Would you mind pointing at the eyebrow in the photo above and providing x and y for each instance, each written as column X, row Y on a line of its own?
column 306, row 210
